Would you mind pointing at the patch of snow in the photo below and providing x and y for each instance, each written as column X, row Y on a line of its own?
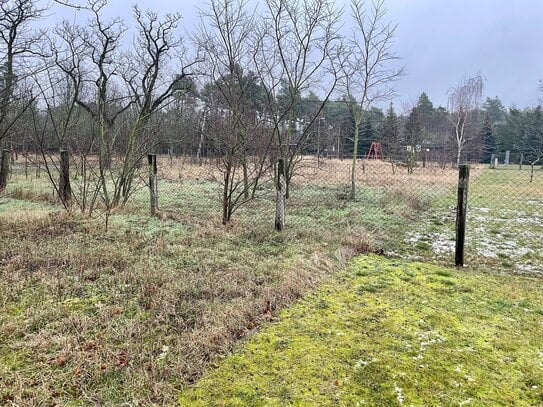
column 399, row 393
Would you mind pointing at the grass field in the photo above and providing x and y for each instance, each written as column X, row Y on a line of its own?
column 135, row 313
column 391, row 333
column 138, row 312
column 504, row 224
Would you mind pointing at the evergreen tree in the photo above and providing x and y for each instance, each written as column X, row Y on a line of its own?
column 488, row 138
column 413, row 132
column 532, row 143
column 493, row 107
column 413, row 129
column 287, row 96
column 428, row 119
column 390, row 133
column 426, row 111
column 339, row 117
column 367, row 136
column 510, row 134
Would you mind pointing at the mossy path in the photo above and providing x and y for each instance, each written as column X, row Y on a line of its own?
column 390, row 333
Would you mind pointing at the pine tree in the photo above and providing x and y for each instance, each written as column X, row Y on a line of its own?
column 427, row 117
column 367, row 136
column 495, row 110
column 488, row 138
column 390, row 133
column 413, row 128
column 533, row 139
column 426, row 108
column 413, row 133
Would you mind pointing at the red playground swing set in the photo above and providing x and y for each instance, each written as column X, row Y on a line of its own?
column 375, row 151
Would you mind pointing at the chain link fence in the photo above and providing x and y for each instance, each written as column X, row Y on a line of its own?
column 505, row 199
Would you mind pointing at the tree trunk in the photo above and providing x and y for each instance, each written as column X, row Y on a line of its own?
column 245, row 179
column 64, row 186
column 458, row 156
column 226, row 196
column 4, row 169
column 424, row 158
column 280, row 202
column 199, row 151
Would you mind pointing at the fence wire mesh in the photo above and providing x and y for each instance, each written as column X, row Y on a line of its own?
column 504, row 223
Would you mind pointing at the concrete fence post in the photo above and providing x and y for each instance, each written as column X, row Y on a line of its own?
column 153, row 183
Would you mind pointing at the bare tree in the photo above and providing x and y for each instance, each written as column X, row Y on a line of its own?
column 367, row 73
column 297, row 52
column 59, row 122
column 152, row 85
column 463, row 103
column 101, row 95
column 233, row 98
column 18, row 43
column 121, row 89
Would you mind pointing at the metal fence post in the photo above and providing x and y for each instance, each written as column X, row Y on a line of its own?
column 461, row 212
column 153, row 183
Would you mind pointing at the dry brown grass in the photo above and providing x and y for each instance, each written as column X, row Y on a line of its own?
column 329, row 171
column 133, row 314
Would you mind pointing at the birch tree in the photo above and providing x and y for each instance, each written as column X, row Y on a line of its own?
column 463, row 103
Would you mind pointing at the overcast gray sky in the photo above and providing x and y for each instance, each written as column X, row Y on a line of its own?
column 440, row 41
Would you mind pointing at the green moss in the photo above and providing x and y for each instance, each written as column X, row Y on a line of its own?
column 83, row 305
column 423, row 246
column 12, row 360
column 375, row 338
column 444, row 273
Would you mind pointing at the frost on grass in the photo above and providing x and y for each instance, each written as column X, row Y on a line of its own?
column 399, row 393
column 511, row 237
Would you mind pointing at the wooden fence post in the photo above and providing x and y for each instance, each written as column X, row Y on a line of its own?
column 64, row 186
column 153, row 183
column 4, row 169
column 461, row 212
column 280, row 202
